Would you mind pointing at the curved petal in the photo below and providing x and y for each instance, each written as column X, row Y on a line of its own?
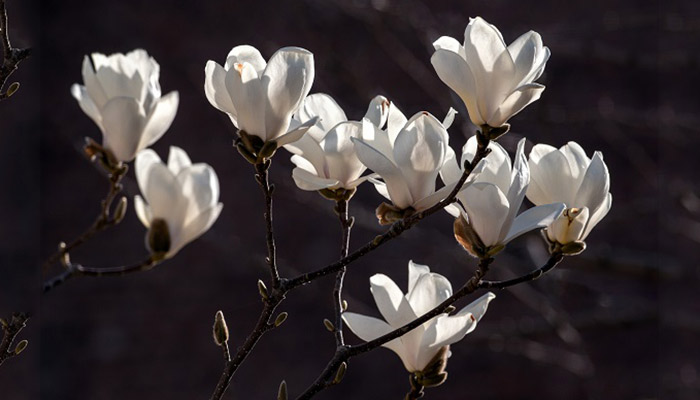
column 325, row 108
column 160, row 119
column 86, row 103
column 305, row 180
column 178, row 160
column 370, row 328
column 455, row 72
column 449, row 44
column 92, row 84
column 393, row 178
column 434, row 198
column 380, row 187
column 597, row 216
column 309, row 149
column 550, row 169
column 578, row 161
column 478, row 307
column 145, row 160
column 390, row 301
column 514, row 103
column 533, row 218
column 487, row 208
column 248, row 97
column 200, row 185
column 245, row 54
column 162, row 192
column 595, row 185
column 516, row 192
column 378, row 111
column 195, row 228
column 215, row 88
column 415, row 271
column 123, row 120
column 142, row 211
column 286, row 81
column 296, row 133
column 430, row 290
column 450, row 171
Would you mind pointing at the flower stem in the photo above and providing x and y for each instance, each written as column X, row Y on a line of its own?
column 261, row 176
column 346, row 223
column 75, row 270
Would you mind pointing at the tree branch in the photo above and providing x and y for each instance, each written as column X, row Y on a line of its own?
column 554, row 259
column 262, row 177
column 346, row 225
column 12, row 56
column 11, row 330
column 77, row 270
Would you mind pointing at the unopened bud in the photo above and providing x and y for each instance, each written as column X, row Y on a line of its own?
column 12, row 89
column 220, row 330
column 340, row 373
column 281, row 318
column 158, row 238
column 468, row 238
column 21, row 346
column 345, row 305
column 262, row 289
column 3, row 322
column 569, row 227
column 329, row 325
column 282, row 391
column 120, row 210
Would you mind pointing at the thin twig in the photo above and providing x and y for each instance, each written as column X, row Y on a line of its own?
column 262, row 177
column 10, row 331
column 103, row 221
column 346, row 225
column 77, row 270
column 12, row 56
column 534, row 275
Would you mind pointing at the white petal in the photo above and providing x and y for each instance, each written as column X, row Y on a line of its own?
column 296, row 133
column 369, row 328
column 597, row 216
column 449, row 118
column 92, row 85
column 123, row 120
column 163, row 194
column 515, row 102
column 393, row 178
column 450, row 171
column 86, row 103
column 325, row 108
column 309, row 149
column 478, row 307
column 341, row 161
column 286, row 81
column 595, row 185
column 200, row 185
column 455, row 72
column 245, row 54
column 142, row 211
column 308, row 181
column 390, row 301
column 378, row 111
column 533, row 218
column 550, row 169
column 160, row 119
column 434, row 198
column 145, row 160
column 487, row 208
column 578, row 161
column 248, row 97
column 429, row 291
column 195, row 228
column 178, row 160
column 380, row 187
column 395, row 122
column 415, row 271
column 450, row 44
column 215, row 88
column 516, row 192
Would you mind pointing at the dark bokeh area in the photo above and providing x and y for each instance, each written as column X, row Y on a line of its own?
column 620, row 321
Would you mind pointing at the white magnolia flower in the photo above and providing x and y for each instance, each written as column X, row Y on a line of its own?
column 495, row 82
column 325, row 157
column 426, row 290
column 489, row 205
column 181, row 197
column 569, row 176
column 122, row 95
column 261, row 97
column 408, row 156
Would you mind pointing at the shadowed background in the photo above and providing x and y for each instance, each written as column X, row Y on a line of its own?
column 618, row 322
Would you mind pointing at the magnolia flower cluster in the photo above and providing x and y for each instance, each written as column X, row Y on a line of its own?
column 269, row 103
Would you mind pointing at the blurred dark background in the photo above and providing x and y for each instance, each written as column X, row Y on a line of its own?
column 621, row 321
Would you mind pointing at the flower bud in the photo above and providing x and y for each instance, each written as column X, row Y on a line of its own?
column 282, row 391
column 158, row 237
column 21, row 346
column 120, row 210
column 468, row 238
column 281, row 318
column 329, row 325
column 262, row 289
column 569, row 226
column 12, row 89
column 220, row 330
column 340, row 374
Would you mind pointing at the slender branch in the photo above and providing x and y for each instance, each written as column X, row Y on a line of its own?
column 77, row 270
column 103, row 221
column 263, row 325
column 396, row 229
column 12, row 56
column 262, row 177
column 534, row 275
column 10, row 331
column 417, row 390
column 346, row 225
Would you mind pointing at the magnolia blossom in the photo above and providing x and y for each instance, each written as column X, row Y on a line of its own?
column 426, row 290
column 495, row 82
column 261, row 97
column 122, row 95
column 325, row 157
column 408, row 156
column 569, row 176
column 181, row 200
column 489, row 206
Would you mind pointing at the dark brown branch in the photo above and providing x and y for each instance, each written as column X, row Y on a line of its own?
column 103, row 221
column 77, row 270
column 10, row 331
column 534, row 275
column 262, row 177
column 12, row 56
column 346, row 223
